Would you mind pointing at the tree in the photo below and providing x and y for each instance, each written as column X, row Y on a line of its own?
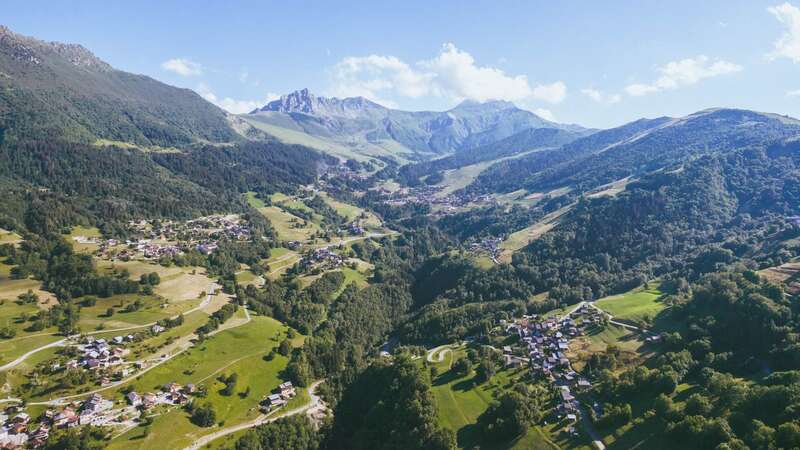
column 230, row 384
column 462, row 366
column 109, row 312
column 509, row 417
column 285, row 347
column 204, row 415
column 485, row 370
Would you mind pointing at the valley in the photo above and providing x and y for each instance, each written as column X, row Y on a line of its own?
column 180, row 269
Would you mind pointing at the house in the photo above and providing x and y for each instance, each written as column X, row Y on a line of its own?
column 172, row 387
column 134, row 399
column 63, row 418
column 149, row 400
column 276, row 400
column 286, row 390
column 157, row 329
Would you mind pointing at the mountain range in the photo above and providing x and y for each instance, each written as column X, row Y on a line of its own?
column 686, row 229
column 360, row 123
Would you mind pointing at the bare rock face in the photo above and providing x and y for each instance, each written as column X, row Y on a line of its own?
column 468, row 125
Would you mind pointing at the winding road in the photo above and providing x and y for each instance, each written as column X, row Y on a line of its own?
column 62, row 342
column 316, row 402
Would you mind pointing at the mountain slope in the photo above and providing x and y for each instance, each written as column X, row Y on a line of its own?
column 526, row 140
column 54, row 89
column 360, row 122
column 638, row 148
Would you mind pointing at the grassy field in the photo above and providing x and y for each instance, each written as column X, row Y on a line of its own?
column 460, row 401
column 597, row 339
column 151, row 311
column 634, row 305
column 9, row 237
column 240, row 350
column 460, row 178
column 178, row 284
column 289, row 226
column 521, row 238
column 10, row 288
column 12, row 349
column 85, row 232
column 246, row 277
column 352, row 212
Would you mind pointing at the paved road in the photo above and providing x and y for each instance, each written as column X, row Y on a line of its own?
column 439, row 352
column 62, row 342
column 316, row 402
column 597, row 440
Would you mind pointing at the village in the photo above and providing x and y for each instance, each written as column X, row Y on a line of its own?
column 20, row 430
column 489, row 245
column 155, row 239
column 543, row 346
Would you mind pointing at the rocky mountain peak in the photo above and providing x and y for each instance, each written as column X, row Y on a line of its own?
column 303, row 101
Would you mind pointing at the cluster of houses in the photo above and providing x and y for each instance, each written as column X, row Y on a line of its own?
column 355, row 228
column 324, row 257
column 544, row 343
column 100, row 353
column 279, row 397
column 488, row 245
column 158, row 239
column 170, row 394
column 430, row 195
column 19, row 431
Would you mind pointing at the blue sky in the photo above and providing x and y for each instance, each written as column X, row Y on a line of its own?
column 599, row 64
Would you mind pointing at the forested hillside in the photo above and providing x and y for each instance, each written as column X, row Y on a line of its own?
column 285, row 298
column 54, row 90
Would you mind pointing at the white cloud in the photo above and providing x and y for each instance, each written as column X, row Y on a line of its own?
column 601, row 97
column 551, row 93
column 231, row 105
column 452, row 74
column 545, row 114
column 183, row 67
column 788, row 45
column 685, row 72
column 794, row 93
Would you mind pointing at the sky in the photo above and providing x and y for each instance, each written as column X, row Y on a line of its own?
column 598, row 64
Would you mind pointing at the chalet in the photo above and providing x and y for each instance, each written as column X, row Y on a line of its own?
column 65, row 417
column 286, row 390
column 134, row 399
column 157, row 329
column 149, row 400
